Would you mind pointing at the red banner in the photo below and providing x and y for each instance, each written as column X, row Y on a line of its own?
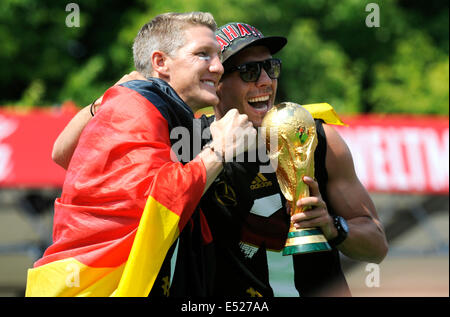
column 26, row 142
column 392, row 153
column 400, row 153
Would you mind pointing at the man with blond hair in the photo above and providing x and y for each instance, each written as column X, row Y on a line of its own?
column 126, row 197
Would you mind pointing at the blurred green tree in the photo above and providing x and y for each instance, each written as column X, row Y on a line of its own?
column 332, row 55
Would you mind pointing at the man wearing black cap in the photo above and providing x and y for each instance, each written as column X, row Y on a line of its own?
column 245, row 207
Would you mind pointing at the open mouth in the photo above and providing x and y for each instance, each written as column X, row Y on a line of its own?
column 209, row 83
column 259, row 103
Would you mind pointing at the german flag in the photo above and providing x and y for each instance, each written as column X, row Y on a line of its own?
column 125, row 199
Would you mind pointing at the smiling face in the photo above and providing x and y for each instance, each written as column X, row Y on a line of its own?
column 195, row 70
column 252, row 98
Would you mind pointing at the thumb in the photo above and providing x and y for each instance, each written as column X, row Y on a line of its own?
column 313, row 186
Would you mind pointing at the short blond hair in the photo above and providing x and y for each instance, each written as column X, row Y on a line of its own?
column 165, row 33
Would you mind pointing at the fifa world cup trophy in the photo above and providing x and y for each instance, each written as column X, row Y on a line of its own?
column 293, row 157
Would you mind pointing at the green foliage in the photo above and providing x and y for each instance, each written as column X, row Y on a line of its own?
column 415, row 77
column 332, row 56
column 309, row 69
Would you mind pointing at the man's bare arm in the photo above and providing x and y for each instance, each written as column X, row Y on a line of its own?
column 366, row 240
column 67, row 140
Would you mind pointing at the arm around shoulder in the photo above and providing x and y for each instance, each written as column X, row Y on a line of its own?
column 67, row 140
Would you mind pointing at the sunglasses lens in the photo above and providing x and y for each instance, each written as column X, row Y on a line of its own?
column 273, row 68
column 250, row 72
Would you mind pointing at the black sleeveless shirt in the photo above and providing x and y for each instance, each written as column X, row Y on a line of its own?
column 245, row 210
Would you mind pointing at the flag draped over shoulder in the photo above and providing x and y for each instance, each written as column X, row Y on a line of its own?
column 124, row 200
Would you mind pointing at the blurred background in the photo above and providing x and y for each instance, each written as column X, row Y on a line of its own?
column 383, row 65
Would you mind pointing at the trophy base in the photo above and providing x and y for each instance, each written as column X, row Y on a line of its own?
column 305, row 241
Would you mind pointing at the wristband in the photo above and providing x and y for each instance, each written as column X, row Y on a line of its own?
column 91, row 107
column 220, row 155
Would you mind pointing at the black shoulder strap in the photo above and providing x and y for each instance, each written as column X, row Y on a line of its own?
column 320, row 170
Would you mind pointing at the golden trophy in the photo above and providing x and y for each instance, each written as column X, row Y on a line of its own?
column 294, row 130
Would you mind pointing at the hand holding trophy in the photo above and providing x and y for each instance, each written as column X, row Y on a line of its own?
column 293, row 127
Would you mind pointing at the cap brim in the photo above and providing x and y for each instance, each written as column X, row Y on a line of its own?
column 273, row 43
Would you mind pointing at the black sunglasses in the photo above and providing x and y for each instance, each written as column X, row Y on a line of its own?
column 250, row 72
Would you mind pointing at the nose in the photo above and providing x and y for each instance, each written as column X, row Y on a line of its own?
column 264, row 79
column 216, row 66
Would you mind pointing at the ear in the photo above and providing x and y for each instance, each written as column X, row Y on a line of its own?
column 219, row 89
column 160, row 64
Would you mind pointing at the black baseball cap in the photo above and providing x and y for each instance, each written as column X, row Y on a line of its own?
column 235, row 36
